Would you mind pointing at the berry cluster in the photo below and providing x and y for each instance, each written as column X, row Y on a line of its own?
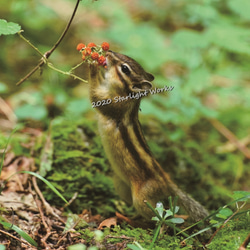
column 93, row 53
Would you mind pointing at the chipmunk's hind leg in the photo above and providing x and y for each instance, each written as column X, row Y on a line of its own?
column 123, row 190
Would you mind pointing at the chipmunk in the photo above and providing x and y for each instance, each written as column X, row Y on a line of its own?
column 137, row 174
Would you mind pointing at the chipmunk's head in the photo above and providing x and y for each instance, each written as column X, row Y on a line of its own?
column 121, row 80
column 127, row 73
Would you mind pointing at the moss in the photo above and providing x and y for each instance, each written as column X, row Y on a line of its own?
column 193, row 162
column 228, row 238
column 127, row 236
column 232, row 235
column 80, row 166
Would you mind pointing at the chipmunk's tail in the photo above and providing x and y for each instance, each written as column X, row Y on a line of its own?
column 194, row 209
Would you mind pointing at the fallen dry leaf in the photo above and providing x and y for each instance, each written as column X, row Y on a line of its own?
column 109, row 223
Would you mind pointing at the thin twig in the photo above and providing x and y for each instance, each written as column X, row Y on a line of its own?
column 47, row 228
column 30, row 44
column 48, row 208
column 66, row 73
column 71, row 200
column 40, row 211
column 231, row 137
column 48, row 53
column 30, row 73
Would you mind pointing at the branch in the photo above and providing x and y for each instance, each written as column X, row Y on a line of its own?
column 231, row 137
column 48, row 53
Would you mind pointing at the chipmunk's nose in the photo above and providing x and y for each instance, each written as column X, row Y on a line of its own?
column 108, row 58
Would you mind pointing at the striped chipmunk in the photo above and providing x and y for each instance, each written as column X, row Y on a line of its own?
column 137, row 174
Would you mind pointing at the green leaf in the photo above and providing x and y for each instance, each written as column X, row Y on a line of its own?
column 2, row 247
column 241, row 194
column 198, row 81
column 19, row 231
column 201, row 13
column 176, row 209
column 240, row 7
column 213, row 221
column 78, row 107
column 224, row 213
column 155, row 218
column 176, row 220
column 93, row 248
column 3, row 88
column 238, row 37
column 159, row 208
column 36, row 112
column 133, row 247
column 8, row 28
column 168, row 213
column 77, row 247
column 189, row 39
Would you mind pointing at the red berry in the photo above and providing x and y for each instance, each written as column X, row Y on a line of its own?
column 101, row 60
column 94, row 55
column 83, row 57
column 105, row 46
column 88, row 51
column 91, row 45
column 80, row 46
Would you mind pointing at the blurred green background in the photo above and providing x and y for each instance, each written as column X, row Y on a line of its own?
column 201, row 47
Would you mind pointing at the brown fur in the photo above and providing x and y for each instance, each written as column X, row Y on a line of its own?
column 137, row 175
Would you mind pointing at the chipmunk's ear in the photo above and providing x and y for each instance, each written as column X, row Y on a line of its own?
column 143, row 85
column 150, row 77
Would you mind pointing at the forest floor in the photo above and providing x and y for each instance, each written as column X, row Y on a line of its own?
column 69, row 158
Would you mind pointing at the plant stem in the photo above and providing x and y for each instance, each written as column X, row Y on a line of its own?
column 157, row 231
column 155, row 212
column 66, row 73
column 48, row 53
column 30, row 44
column 78, row 65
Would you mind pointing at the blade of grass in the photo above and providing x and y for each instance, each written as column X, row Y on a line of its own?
column 210, row 216
column 20, row 232
column 202, row 231
column 44, row 180
column 47, row 183
column 157, row 231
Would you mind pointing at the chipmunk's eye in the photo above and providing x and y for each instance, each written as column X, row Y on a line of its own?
column 125, row 69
